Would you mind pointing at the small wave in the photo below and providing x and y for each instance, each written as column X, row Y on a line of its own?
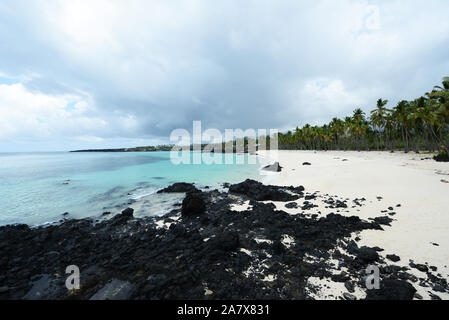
column 141, row 193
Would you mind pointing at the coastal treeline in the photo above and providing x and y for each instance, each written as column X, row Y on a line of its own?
column 135, row 149
column 418, row 125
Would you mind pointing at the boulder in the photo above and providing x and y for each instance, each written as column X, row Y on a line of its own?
column 179, row 187
column 193, row 204
column 114, row 290
column 260, row 192
column 349, row 296
column 393, row 257
column 367, row 255
column 291, row 205
column 392, row 289
column 275, row 167
column 128, row 212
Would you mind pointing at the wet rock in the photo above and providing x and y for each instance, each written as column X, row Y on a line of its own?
column 128, row 212
column 179, row 261
column 179, row 187
column 392, row 289
column 193, row 204
column 114, row 290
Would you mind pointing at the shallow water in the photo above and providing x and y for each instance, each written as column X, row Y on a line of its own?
column 37, row 188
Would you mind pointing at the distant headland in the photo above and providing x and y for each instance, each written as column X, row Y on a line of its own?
column 135, row 149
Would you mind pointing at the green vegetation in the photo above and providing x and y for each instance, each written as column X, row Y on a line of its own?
column 136, row 149
column 418, row 125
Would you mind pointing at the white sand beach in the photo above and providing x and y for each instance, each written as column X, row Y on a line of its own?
column 420, row 230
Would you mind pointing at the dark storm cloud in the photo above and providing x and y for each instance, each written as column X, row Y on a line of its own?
column 105, row 73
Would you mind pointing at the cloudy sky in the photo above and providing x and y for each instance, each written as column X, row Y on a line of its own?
column 96, row 73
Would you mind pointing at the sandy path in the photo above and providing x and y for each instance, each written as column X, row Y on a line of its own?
column 405, row 179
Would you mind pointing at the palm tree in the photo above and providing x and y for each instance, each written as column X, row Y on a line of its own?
column 441, row 95
column 423, row 122
column 337, row 129
column 400, row 116
column 358, row 126
column 379, row 119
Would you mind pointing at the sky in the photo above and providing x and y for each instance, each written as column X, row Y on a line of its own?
column 79, row 74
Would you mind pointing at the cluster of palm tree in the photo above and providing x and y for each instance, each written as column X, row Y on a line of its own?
column 418, row 125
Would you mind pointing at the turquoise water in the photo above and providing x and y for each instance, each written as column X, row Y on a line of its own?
column 37, row 188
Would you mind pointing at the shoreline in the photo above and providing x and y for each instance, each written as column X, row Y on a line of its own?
column 335, row 193
column 401, row 179
column 257, row 253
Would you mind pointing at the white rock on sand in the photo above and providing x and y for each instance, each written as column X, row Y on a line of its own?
column 405, row 179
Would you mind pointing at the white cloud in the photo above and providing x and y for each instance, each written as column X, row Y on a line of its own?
column 139, row 69
column 34, row 114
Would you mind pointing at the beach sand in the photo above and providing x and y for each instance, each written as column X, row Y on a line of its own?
column 420, row 231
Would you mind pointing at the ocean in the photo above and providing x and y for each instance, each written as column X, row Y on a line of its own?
column 38, row 188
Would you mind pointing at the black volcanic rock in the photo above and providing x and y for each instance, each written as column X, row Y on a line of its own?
column 393, row 257
column 128, row 212
column 227, row 241
column 260, row 192
column 392, row 289
column 383, row 220
column 231, row 253
column 179, row 187
column 367, row 255
column 420, row 267
column 275, row 167
column 193, row 204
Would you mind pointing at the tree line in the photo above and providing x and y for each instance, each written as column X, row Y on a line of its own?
column 418, row 125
